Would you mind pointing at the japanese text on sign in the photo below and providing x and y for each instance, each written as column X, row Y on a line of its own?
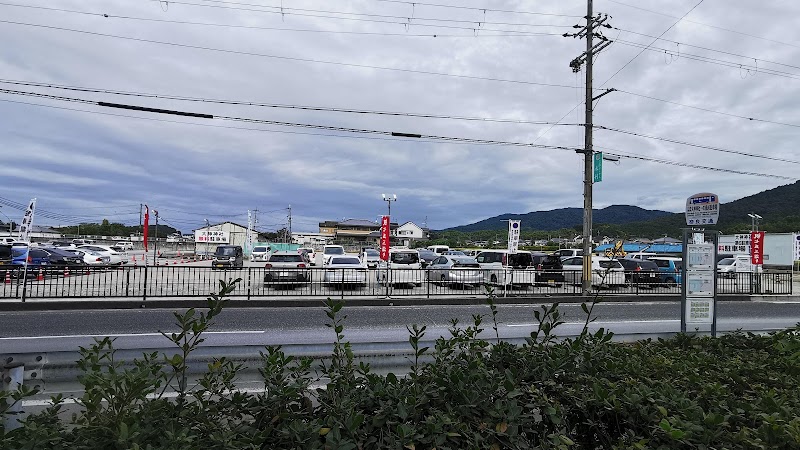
column 757, row 247
column 212, row 236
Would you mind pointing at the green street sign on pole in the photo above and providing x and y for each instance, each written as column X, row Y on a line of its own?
column 598, row 167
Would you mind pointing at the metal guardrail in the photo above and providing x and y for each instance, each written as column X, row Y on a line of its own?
column 259, row 282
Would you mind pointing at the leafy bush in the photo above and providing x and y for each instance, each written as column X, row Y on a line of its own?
column 737, row 391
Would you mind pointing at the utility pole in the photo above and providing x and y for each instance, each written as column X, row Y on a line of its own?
column 289, row 240
column 155, row 243
column 587, row 57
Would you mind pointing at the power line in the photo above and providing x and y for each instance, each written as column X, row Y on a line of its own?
column 699, row 108
column 620, row 154
column 286, row 10
column 473, row 8
column 277, row 105
column 707, row 48
column 690, row 144
column 446, row 139
column 282, row 123
column 716, row 61
column 706, row 25
column 285, row 58
column 510, row 33
column 651, row 43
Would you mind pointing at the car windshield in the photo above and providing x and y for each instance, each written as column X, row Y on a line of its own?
column 405, row 258
column 372, row 253
column 286, row 258
column 16, row 252
column 455, row 253
column 726, row 262
column 259, row 249
column 606, row 264
column 334, row 251
column 348, row 260
column 225, row 251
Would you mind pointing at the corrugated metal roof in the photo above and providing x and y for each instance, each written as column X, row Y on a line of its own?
column 657, row 248
column 359, row 223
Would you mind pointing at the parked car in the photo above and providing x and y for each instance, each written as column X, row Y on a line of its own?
column 116, row 258
column 548, row 268
column 5, row 260
column 287, row 268
column 91, row 258
column 61, row 259
column 728, row 267
column 79, row 242
column 503, row 268
column 123, row 245
column 370, row 257
column 329, row 251
column 7, row 240
column 438, row 249
column 455, row 270
column 260, row 253
column 62, row 244
column 228, row 257
column 426, row 256
column 344, row 270
column 454, row 253
column 402, row 268
column 568, row 252
column 37, row 260
column 669, row 269
column 605, row 271
column 640, row 272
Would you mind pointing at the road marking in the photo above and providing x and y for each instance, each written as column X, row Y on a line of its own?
column 121, row 335
column 597, row 323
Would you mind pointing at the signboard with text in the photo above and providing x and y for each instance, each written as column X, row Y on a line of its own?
column 796, row 247
column 212, row 236
column 513, row 235
column 702, row 209
column 757, row 248
column 385, row 226
column 699, row 310
column 598, row 167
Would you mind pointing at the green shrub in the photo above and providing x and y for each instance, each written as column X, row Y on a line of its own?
column 737, row 391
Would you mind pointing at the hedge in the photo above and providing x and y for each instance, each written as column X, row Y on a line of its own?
column 736, row 391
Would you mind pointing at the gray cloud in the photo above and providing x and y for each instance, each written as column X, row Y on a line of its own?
column 77, row 162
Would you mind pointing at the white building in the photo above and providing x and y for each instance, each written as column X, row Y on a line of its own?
column 225, row 233
column 315, row 240
column 409, row 232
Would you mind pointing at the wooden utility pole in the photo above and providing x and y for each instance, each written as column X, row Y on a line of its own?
column 587, row 57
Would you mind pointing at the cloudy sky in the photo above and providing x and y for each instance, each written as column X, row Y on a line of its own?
column 502, row 61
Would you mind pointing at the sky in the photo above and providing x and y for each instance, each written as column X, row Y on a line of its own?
column 474, row 78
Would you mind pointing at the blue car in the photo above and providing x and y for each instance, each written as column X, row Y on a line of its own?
column 37, row 259
column 669, row 269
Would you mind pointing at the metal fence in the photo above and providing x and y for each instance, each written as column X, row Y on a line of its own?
column 258, row 282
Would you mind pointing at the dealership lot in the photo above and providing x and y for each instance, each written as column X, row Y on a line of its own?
column 183, row 278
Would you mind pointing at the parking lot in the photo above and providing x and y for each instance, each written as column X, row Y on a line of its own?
column 183, row 278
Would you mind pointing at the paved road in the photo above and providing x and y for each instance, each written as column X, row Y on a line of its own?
column 115, row 322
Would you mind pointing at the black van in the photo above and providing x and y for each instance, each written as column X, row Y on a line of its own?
column 228, row 256
column 5, row 261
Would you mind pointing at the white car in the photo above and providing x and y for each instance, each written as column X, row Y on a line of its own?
column 115, row 258
column 605, row 271
column 260, row 253
column 331, row 250
column 309, row 254
column 728, row 267
column 345, row 270
column 92, row 258
column 404, row 265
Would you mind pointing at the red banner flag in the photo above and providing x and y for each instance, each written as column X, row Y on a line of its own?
column 385, row 238
column 146, row 225
column 757, row 247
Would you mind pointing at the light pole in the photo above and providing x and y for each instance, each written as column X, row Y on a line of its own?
column 208, row 228
column 754, row 219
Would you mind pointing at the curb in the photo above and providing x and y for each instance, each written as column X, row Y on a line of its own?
column 199, row 302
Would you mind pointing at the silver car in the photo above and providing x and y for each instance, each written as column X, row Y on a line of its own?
column 453, row 270
column 371, row 257
column 345, row 270
column 287, row 269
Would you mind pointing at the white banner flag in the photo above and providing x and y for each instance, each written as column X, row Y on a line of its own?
column 27, row 222
column 513, row 235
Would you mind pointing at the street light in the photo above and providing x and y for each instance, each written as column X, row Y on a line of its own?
column 754, row 219
column 389, row 200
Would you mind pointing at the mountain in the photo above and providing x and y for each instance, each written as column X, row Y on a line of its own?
column 778, row 207
column 566, row 218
